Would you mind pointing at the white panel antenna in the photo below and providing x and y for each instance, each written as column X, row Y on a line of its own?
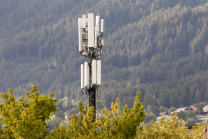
column 81, row 48
column 90, row 30
column 97, row 30
column 98, row 72
column 102, row 25
column 94, row 72
column 97, row 26
column 84, row 21
column 82, row 76
column 86, row 74
column 102, row 42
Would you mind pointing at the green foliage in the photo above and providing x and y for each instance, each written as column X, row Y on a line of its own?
column 200, row 106
column 126, row 123
column 191, row 122
column 53, row 122
column 150, row 116
column 171, row 129
column 113, row 124
column 26, row 118
column 172, row 109
column 188, row 116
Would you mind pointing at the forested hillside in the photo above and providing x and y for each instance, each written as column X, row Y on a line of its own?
column 157, row 47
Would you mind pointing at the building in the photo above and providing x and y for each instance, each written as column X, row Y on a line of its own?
column 181, row 109
column 205, row 109
column 192, row 108
column 202, row 116
column 163, row 113
column 186, row 108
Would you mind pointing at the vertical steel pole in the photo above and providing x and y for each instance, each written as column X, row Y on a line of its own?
column 92, row 100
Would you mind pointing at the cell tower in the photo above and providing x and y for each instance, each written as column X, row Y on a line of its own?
column 90, row 46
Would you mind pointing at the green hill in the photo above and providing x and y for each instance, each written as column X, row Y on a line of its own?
column 157, row 47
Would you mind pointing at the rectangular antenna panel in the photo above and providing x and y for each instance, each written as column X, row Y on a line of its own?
column 80, row 34
column 82, row 75
column 97, row 25
column 94, row 72
column 97, row 29
column 91, row 30
column 84, row 19
column 102, row 42
column 102, row 25
column 86, row 74
column 95, row 37
column 98, row 72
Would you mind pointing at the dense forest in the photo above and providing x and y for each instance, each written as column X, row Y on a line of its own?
column 159, row 48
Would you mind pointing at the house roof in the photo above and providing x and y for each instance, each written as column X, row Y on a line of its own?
column 194, row 108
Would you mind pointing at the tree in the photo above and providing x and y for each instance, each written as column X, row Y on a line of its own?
column 26, row 118
column 172, row 109
column 170, row 129
column 115, row 124
column 191, row 121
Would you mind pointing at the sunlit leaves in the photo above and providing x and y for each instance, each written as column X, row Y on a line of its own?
column 26, row 118
column 171, row 129
column 116, row 123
